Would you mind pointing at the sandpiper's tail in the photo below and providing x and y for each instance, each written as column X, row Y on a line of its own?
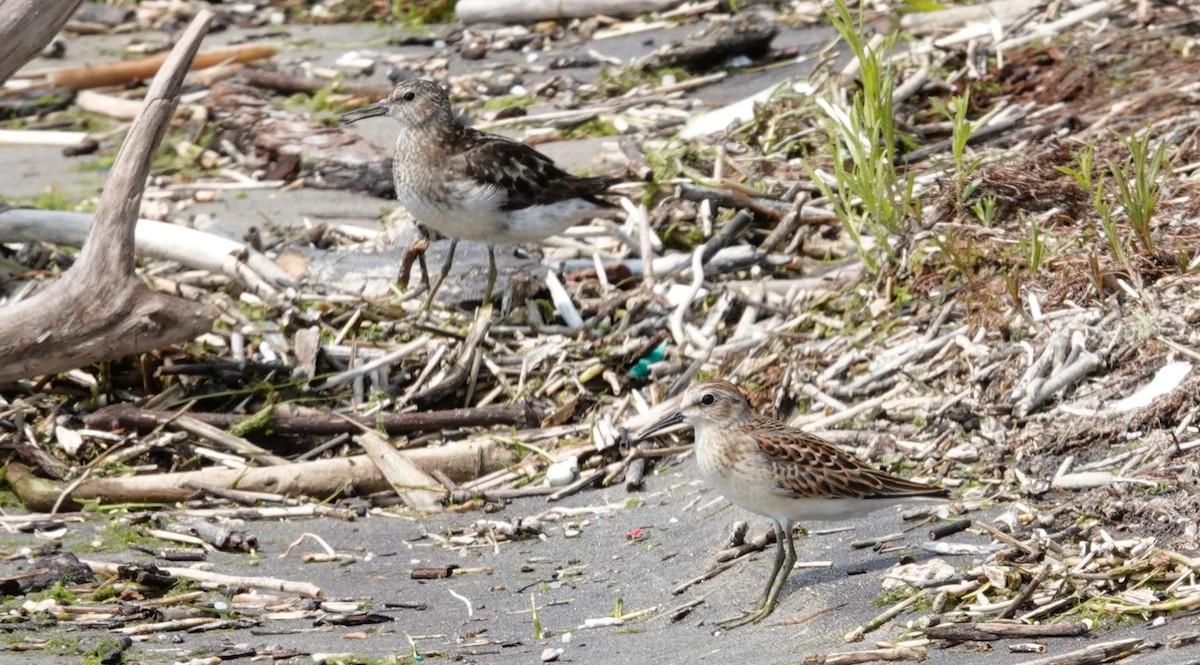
column 882, row 485
column 589, row 188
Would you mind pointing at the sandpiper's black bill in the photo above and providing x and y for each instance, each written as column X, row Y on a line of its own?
column 673, row 418
column 364, row 112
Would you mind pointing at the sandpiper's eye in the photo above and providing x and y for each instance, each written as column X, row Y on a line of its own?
column 708, row 399
column 409, row 96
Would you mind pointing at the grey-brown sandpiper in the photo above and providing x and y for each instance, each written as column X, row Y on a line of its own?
column 470, row 185
column 780, row 472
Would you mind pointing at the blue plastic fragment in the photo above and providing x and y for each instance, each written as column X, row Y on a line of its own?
column 642, row 369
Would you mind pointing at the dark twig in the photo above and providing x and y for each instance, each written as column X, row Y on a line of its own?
column 726, row 235
column 948, row 529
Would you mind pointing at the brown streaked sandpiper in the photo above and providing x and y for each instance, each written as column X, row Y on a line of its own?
column 471, row 185
column 775, row 470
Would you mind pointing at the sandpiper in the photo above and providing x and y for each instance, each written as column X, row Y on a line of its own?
column 471, row 185
column 778, row 471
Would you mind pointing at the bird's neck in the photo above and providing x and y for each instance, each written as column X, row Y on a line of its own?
column 732, row 423
column 431, row 137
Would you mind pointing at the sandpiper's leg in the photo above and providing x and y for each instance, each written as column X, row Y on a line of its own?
column 777, row 566
column 782, row 572
column 433, row 289
column 785, row 558
column 491, row 276
column 424, row 268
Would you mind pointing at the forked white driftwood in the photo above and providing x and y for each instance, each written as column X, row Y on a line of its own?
column 100, row 309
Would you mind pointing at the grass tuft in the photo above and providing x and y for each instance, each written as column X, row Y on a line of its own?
column 1137, row 181
column 868, row 193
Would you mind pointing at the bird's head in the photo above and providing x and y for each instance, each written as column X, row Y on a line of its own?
column 415, row 103
column 711, row 404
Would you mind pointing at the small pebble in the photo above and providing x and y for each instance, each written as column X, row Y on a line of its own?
column 473, row 50
column 550, row 655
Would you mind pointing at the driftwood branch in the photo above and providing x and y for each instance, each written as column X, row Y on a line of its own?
column 995, row 630
column 171, row 242
column 490, row 11
column 749, row 33
column 100, row 309
column 129, row 417
column 126, row 72
column 28, row 25
column 319, row 479
column 1104, row 652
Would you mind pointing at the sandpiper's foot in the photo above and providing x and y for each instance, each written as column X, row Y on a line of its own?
column 753, row 616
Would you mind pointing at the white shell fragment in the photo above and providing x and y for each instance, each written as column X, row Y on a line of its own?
column 562, row 472
column 911, row 574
